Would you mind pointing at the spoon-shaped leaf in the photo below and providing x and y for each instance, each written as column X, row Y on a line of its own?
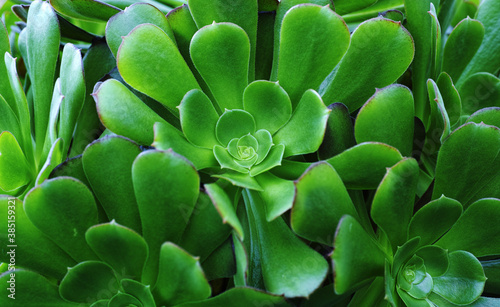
column 479, row 91
column 488, row 116
column 14, row 169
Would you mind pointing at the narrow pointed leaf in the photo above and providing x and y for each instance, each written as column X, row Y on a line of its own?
column 451, row 97
column 225, row 207
column 240, row 180
column 55, row 157
column 272, row 160
column 221, row 53
column 87, row 10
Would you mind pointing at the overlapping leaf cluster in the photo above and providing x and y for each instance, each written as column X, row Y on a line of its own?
column 293, row 152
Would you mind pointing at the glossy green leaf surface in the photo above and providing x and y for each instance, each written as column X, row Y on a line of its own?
column 439, row 122
column 392, row 206
column 63, row 209
column 234, row 124
column 434, row 219
column 221, row 53
column 321, row 199
column 108, row 167
column 278, row 194
column 463, row 283
column 240, row 296
column 84, row 282
column 387, row 117
column 125, row 114
column 240, row 12
column 166, row 186
column 240, row 180
column 369, row 62
column 5, row 90
column 479, row 91
column 139, row 291
column 150, row 75
column 37, row 253
column 166, row 137
column 225, row 207
column 73, row 89
column 269, row 104
column 363, row 166
column 305, row 130
column 467, row 165
column 451, row 97
column 339, row 134
column 487, row 57
column 461, row 46
column 469, row 232
column 10, row 120
column 125, row 21
column 489, row 116
column 180, row 277
column 85, row 9
column 344, row 7
column 42, row 42
column 31, row 289
column 123, row 299
column 313, row 40
column 279, row 249
column 54, row 158
column 120, row 247
column 356, row 257
column 198, row 119
column 15, row 171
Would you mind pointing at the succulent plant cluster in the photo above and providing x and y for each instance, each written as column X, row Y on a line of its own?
column 250, row 153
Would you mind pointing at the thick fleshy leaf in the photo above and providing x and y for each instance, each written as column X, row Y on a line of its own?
column 434, row 219
column 225, row 207
column 226, row 161
column 221, row 53
column 166, row 186
column 120, row 247
column 234, row 124
column 63, row 209
column 14, row 169
column 180, row 277
column 240, row 296
column 356, row 257
column 487, row 57
column 140, row 291
column 339, row 134
column 278, row 194
column 470, row 232
column 268, row 103
column 451, row 98
column 392, row 206
column 150, row 75
column 489, row 116
column 281, row 252
column 221, row 263
column 369, row 62
column 240, row 180
column 265, row 142
column 123, row 299
column 85, row 282
column 461, row 46
column 305, row 130
column 125, row 114
column 435, row 259
column 54, row 158
column 5, row 89
column 272, row 160
column 403, row 254
column 468, row 165
column 10, row 120
column 36, row 252
column 30, row 290
column 42, row 43
column 363, row 166
column 419, row 23
column 198, row 119
column 240, row 12
column 73, row 89
column 108, row 167
column 313, row 40
column 464, row 281
column 205, row 231
column 321, row 199
column 283, row 7
column 387, row 117
column 87, row 10
column 479, row 91
column 122, row 23
column 166, row 137
column 345, row 6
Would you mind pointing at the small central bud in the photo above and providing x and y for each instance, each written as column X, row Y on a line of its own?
column 246, row 152
column 410, row 274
